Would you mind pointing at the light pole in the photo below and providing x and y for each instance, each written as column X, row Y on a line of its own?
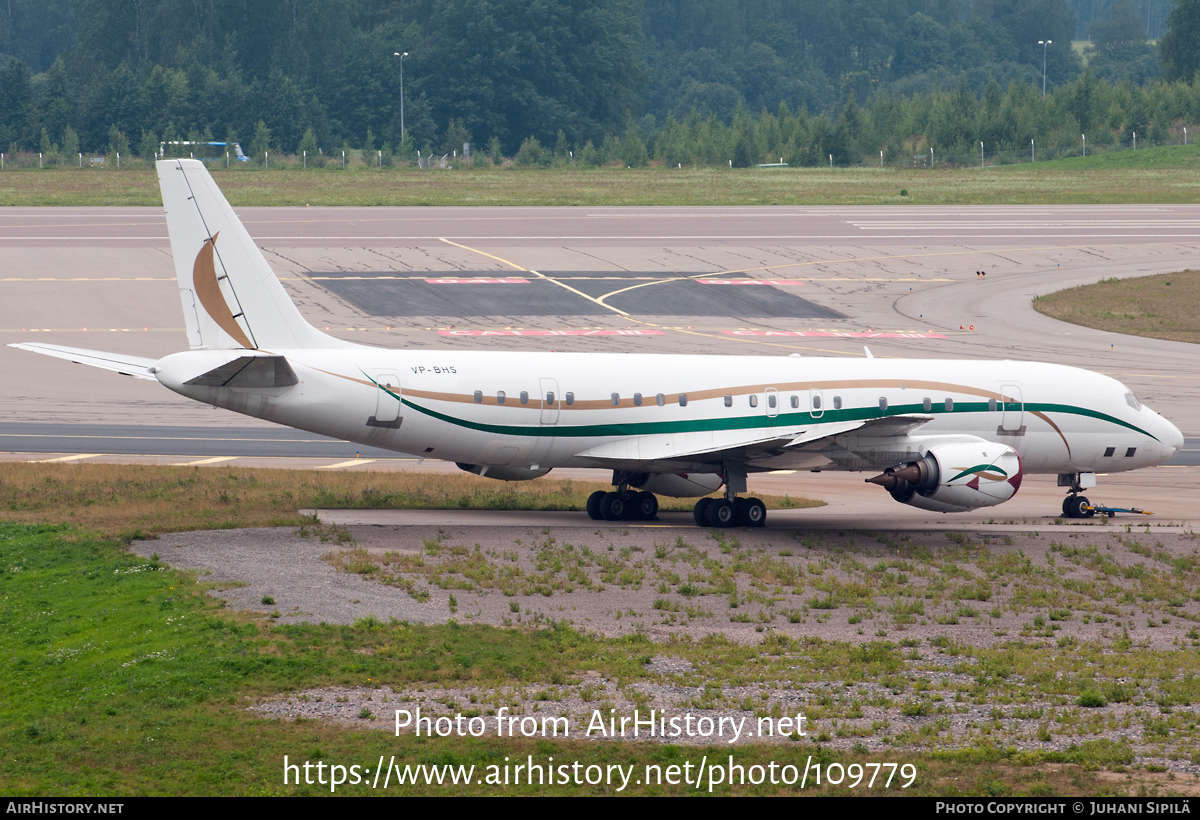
column 1043, row 44
column 402, row 56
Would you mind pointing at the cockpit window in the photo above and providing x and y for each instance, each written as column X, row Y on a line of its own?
column 1132, row 401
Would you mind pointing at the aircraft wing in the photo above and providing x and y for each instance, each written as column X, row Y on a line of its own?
column 135, row 366
column 748, row 447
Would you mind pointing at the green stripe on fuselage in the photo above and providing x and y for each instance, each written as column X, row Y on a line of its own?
column 761, row 422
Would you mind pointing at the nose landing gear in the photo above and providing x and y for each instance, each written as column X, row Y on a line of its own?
column 1076, row 505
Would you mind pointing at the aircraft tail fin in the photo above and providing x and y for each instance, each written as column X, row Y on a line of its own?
column 231, row 297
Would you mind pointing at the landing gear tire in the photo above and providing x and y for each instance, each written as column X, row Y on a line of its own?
column 613, row 507
column 700, row 512
column 751, row 512
column 721, row 513
column 593, row 505
column 1075, row 505
column 1066, row 508
column 643, row 507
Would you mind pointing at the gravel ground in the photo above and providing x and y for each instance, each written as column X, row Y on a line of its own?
column 915, row 589
column 629, row 572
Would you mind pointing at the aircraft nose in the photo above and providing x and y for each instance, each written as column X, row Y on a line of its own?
column 1173, row 437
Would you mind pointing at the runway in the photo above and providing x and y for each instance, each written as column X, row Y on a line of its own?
column 808, row 280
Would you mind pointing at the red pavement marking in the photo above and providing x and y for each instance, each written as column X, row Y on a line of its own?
column 874, row 334
column 550, row 333
column 478, row 281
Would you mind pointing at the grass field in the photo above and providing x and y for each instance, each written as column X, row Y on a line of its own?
column 1160, row 307
column 1156, row 175
column 120, row 677
column 127, row 500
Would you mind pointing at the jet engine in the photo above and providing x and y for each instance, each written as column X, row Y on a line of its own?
column 956, row 477
column 677, row 485
column 503, row 473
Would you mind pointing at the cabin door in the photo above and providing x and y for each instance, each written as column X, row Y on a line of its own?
column 387, row 400
column 1013, row 416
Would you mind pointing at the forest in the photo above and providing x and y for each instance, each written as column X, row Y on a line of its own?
column 687, row 82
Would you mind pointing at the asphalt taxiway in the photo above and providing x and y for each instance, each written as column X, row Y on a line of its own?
column 768, row 280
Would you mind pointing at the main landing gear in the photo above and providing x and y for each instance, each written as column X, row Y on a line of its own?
column 626, row 504
column 724, row 512
column 622, row 506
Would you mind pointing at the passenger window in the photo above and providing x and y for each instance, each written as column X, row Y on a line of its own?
column 1130, row 452
column 500, row 397
column 837, row 402
column 683, row 399
column 729, row 401
column 479, row 397
column 795, row 402
column 816, row 402
column 927, row 404
column 524, row 397
column 754, row 401
column 1109, row 452
column 637, row 399
column 883, row 402
column 949, row 405
column 549, row 398
column 616, row 399
column 570, row 399
column 660, row 400
column 992, row 405
column 771, row 400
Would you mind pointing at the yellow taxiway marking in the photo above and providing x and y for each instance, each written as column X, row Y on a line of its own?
column 213, row 460
column 68, row 458
column 350, row 463
column 561, row 284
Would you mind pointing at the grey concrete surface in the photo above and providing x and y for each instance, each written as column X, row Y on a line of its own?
column 103, row 279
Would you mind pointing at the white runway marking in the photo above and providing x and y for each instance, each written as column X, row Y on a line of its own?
column 213, row 460
column 351, row 463
column 68, row 458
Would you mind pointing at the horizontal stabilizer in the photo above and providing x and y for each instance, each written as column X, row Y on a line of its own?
column 249, row 371
column 135, row 366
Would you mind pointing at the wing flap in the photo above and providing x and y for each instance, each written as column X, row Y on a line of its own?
column 135, row 366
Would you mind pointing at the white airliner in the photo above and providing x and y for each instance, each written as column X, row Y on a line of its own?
column 946, row 436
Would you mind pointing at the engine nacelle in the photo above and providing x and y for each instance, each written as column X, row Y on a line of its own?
column 503, row 473
column 677, row 485
column 956, row 477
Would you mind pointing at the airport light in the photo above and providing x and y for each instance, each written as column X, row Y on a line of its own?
column 401, row 56
column 1043, row 44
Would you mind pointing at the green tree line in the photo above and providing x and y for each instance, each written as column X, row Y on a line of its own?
column 684, row 81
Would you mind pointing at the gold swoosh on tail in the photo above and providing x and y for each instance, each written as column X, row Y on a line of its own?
column 208, row 291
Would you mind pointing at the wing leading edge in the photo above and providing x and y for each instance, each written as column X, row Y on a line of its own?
column 135, row 366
